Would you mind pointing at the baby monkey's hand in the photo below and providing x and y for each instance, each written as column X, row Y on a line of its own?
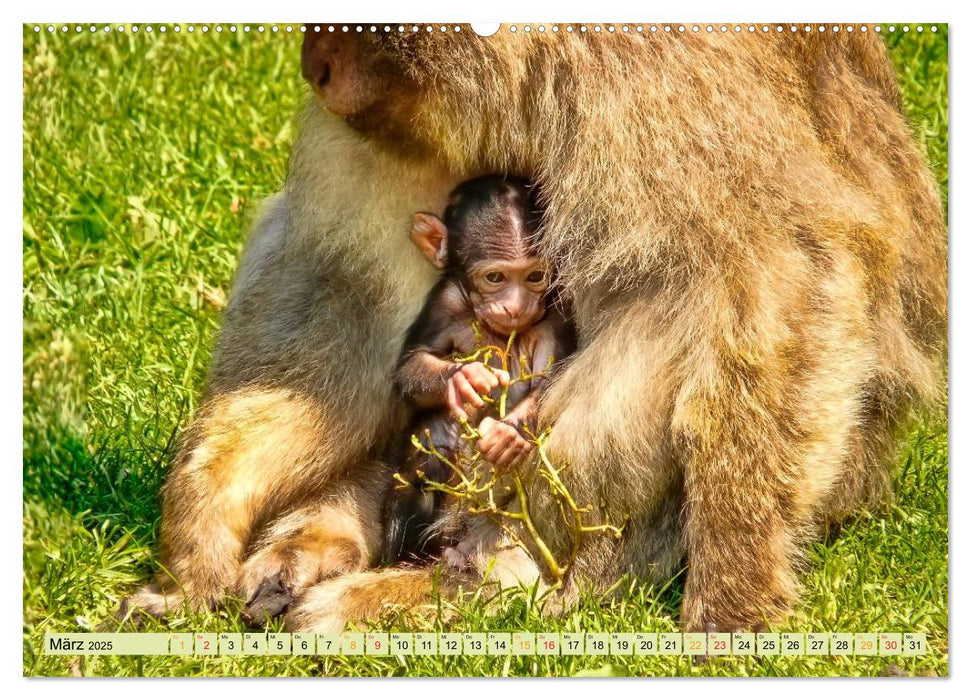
column 501, row 444
column 469, row 383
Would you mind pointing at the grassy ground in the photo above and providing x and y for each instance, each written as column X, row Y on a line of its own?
column 144, row 157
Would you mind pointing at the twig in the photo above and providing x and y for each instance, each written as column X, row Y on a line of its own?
column 479, row 494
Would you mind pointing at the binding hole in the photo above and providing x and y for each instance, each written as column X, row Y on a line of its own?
column 485, row 28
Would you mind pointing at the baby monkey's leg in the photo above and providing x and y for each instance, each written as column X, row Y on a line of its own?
column 412, row 510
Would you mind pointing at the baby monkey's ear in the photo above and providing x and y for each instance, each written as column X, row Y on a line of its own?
column 429, row 234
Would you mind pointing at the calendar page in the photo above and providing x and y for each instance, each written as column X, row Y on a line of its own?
column 540, row 349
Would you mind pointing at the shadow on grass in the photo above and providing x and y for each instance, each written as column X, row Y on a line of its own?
column 101, row 484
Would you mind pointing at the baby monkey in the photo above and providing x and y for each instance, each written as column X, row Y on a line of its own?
column 493, row 284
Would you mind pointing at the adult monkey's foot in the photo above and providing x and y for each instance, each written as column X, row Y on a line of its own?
column 272, row 598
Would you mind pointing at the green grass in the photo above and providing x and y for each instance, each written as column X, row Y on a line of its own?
column 144, row 159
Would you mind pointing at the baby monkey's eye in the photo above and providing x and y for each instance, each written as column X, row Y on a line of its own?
column 495, row 277
column 536, row 276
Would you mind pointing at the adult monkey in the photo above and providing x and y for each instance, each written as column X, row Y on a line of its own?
column 754, row 248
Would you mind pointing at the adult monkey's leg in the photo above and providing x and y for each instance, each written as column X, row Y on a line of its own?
column 338, row 532
column 364, row 596
column 293, row 405
column 739, row 529
column 248, row 455
column 762, row 428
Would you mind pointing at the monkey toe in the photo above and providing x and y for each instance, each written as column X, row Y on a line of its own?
column 271, row 599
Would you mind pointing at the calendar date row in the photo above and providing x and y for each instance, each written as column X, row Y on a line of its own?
column 491, row 644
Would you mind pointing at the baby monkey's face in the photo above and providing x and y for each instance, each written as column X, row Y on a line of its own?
column 509, row 294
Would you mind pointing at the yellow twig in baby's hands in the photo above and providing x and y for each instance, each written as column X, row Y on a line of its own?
column 478, row 492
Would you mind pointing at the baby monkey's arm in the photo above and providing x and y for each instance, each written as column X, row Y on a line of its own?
column 423, row 376
column 556, row 339
column 503, row 441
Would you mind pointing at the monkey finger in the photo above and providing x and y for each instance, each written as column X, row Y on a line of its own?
column 466, row 391
column 521, row 447
column 491, row 377
column 524, row 449
column 490, row 440
column 491, row 450
column 485, row 451
column 455, row 404
column 501, row 375
column 486, row 445
column 508, row 456
column 504, row 441
column 482, row 378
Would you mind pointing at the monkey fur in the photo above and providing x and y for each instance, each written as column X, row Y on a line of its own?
column 755, row 252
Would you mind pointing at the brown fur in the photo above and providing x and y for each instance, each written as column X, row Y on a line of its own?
column 755, row 251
